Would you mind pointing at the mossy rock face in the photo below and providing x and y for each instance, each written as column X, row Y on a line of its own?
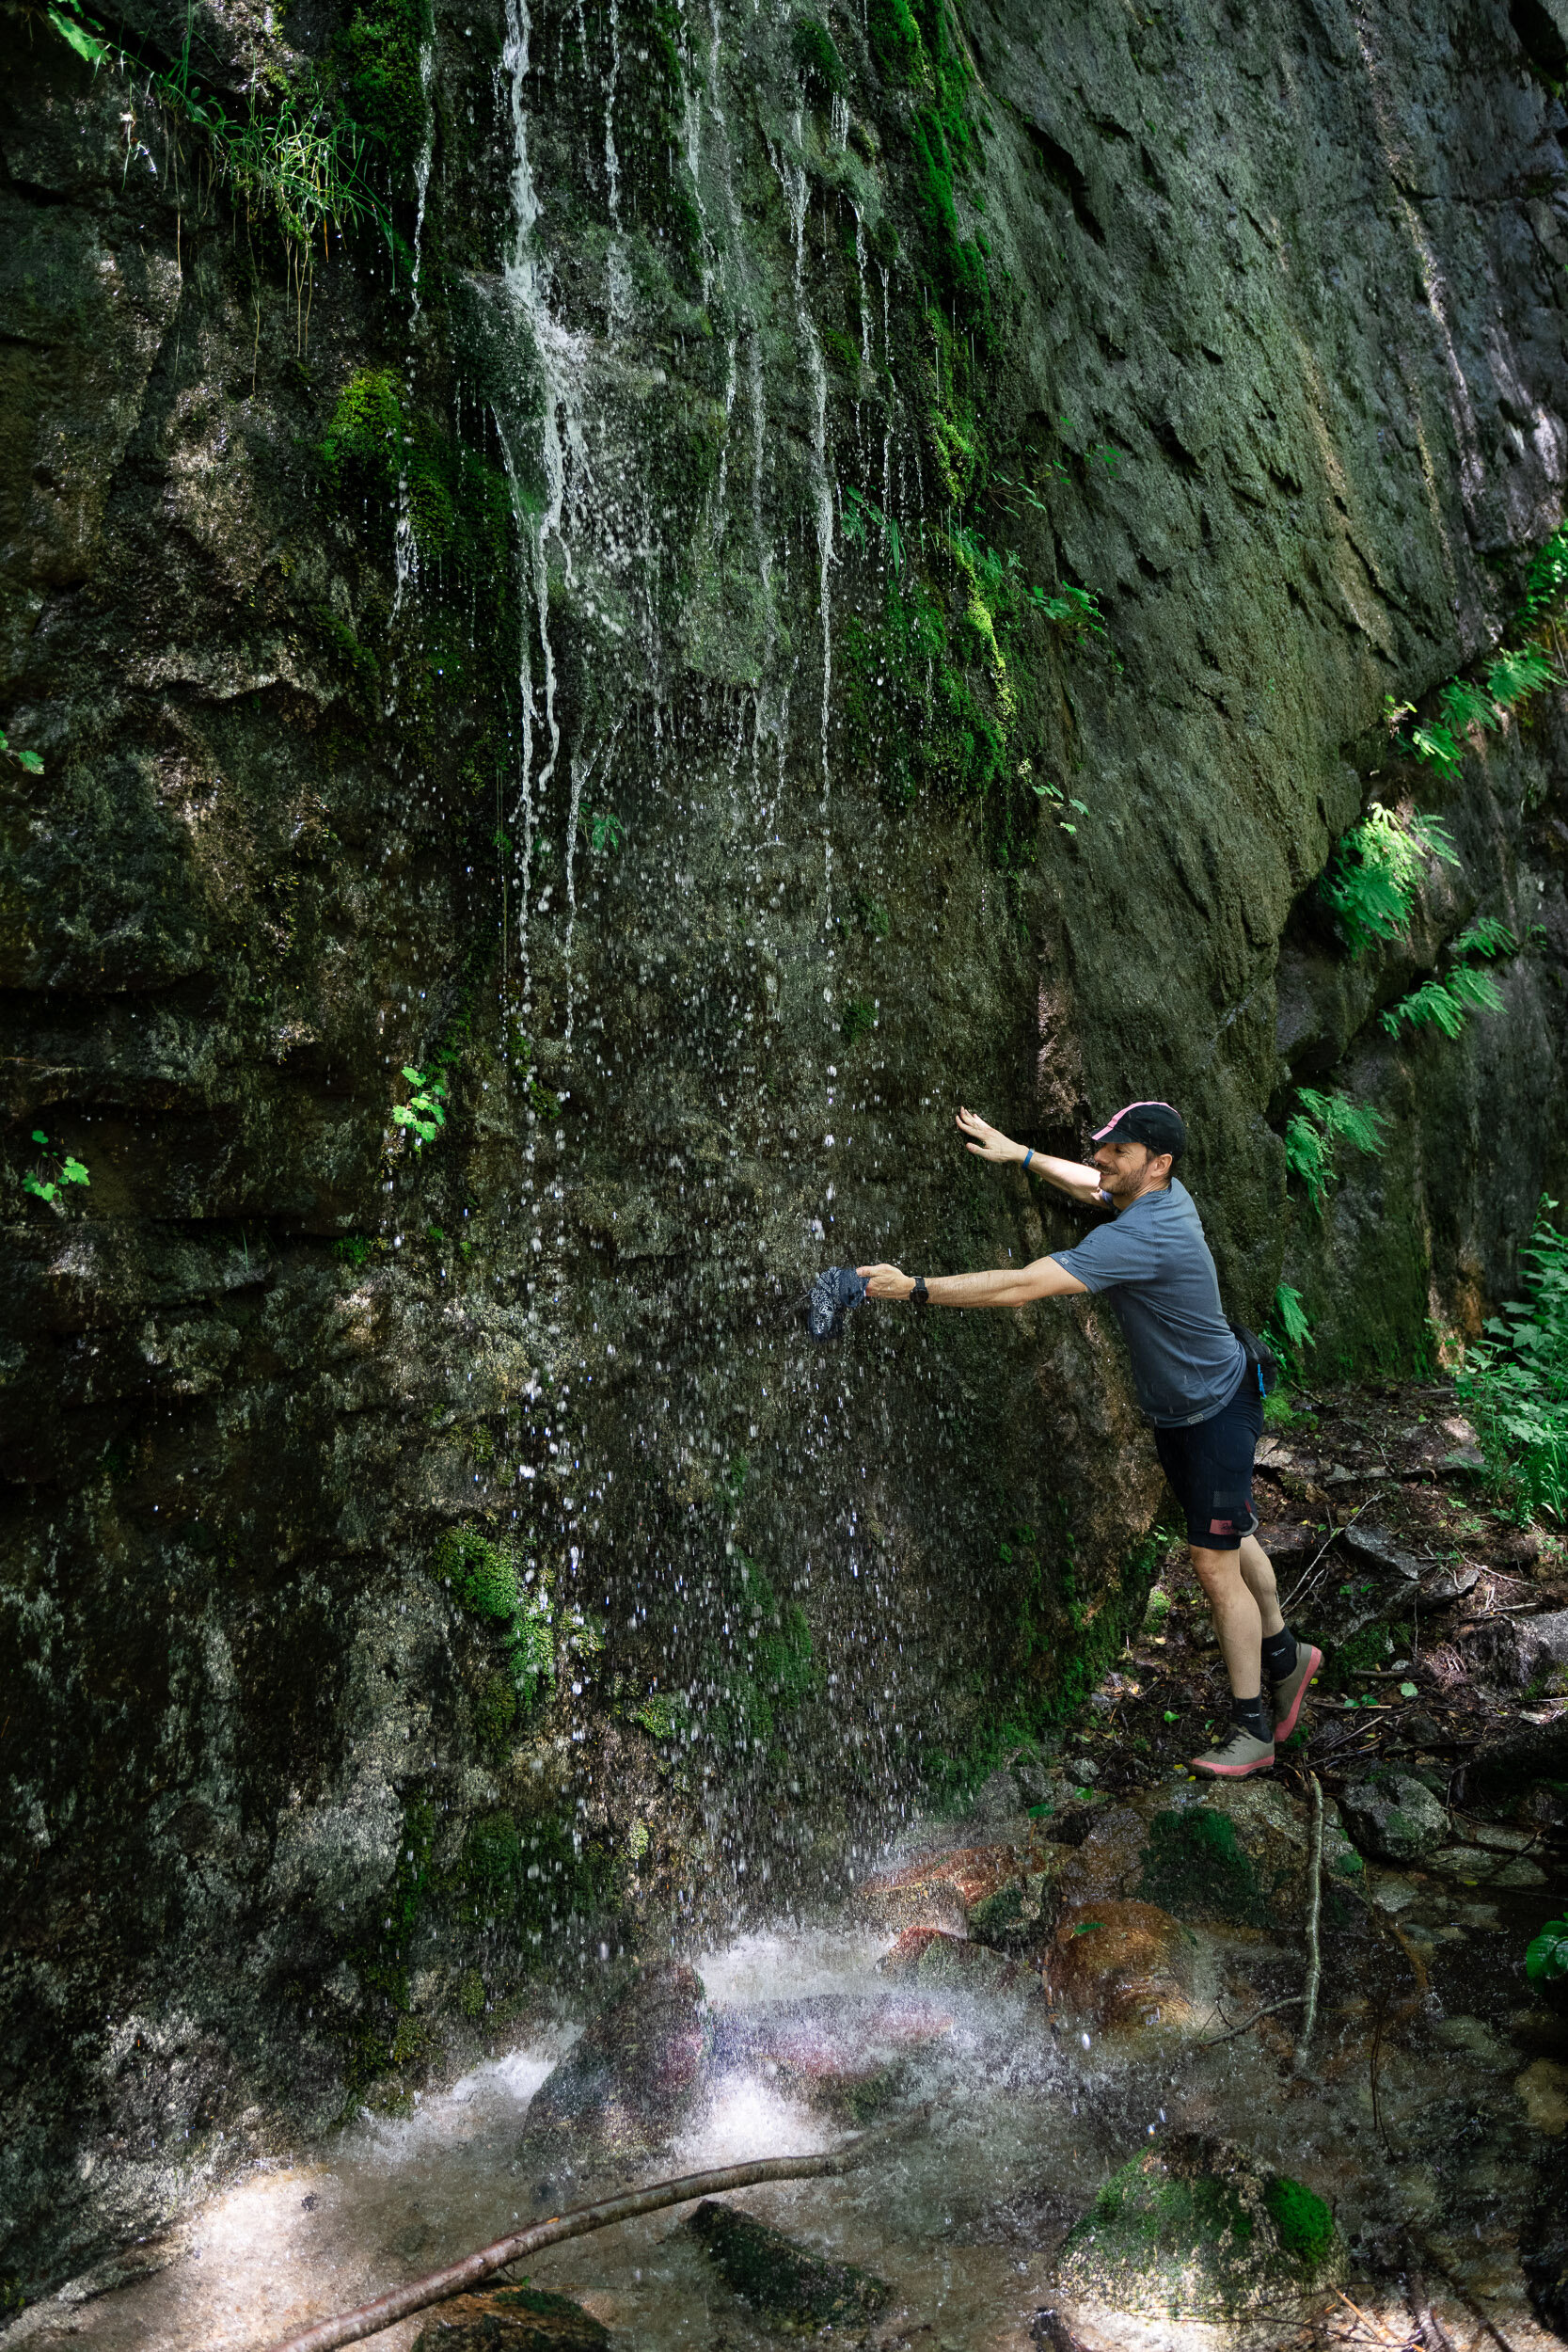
column 777, row 2275
column 1196, row 2229
column 513, row 2319
column 1196, row 1868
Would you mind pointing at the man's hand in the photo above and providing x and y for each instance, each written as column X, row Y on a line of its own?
column 885, row 1282
column 988, row 1142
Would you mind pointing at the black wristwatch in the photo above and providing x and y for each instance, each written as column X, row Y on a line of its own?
column 920, row 1295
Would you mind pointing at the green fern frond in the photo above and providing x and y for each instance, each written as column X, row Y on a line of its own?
column 1513, row 675
column 1485, row 937
column 1465, row 706
column 1376, row 872
column 1447, row 1003
column 1436, row 745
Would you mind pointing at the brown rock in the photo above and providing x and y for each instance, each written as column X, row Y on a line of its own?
column 1121, row 1964
column 1110, row 1860
column 511, row 2319
column 940, row 1889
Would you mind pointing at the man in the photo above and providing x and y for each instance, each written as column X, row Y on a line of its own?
column 1194, row 1380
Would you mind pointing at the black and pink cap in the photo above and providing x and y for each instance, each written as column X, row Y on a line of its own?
column 1154, row 1124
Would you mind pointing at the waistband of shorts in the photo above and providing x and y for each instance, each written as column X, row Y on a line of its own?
column 1194, row 1421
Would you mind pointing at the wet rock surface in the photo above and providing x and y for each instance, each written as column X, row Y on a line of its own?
column 778, row 2276
column 511, row 2319
column 1196, row 2229
column 1393, row 1816
column 631, row 2080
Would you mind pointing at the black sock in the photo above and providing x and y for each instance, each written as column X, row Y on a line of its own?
column 1249, row 1714
column 1279, row 1654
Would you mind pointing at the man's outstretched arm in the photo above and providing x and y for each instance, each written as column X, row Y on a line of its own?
column 1069, row 1176
column 1007, row 1286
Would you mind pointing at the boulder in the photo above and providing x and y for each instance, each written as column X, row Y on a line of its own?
column 846, row 2055
column 777, row 2275
column 1193, row 2228
column 634, row 2076
column 940, row 1890
column 1390, row 1816
column 1116, row 1965
column 511, row 2319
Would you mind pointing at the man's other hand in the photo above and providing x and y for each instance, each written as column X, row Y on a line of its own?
column 988, row 1142
column 885, row 1282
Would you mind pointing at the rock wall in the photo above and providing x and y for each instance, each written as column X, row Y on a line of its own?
column 581, row 646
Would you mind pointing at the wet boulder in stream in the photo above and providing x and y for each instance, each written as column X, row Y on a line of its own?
column 777, row 2275
column 633, row 2078
column 1196, row 2229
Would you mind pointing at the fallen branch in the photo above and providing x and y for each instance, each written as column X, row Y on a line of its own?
column 1314, row 1916
column 1333, row 1534
column 1466, row 2298
column 324, row 2335
column 1294, row 2001
column 1432, row 2333
column 1369, row 2320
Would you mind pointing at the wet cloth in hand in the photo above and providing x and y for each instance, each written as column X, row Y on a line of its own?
column 835, row 1292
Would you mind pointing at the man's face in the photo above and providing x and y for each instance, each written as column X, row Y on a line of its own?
column 1126, row 1169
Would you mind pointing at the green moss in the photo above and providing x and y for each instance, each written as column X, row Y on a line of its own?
column 776, row 2275
column 1305, row 2223
column 483, row 1575
column 1196, row 1868
column 492, row 1853
column 471, row 1993
column 815, row 56
column 362, row 450
column 768, row 1671
column 495, row 1710
column 376, row 62
column 895, row 39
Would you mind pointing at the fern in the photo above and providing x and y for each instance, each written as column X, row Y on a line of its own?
column 1447, row 1003
column 1513, row 675
column 1073, row 611
column 1436, row 744
column 1376, row 872
column 1515, row 1383
column 1311, row 1134
column 1288, row 1331
column 1548, row 577
column 1486, row 936
column 1465, row 706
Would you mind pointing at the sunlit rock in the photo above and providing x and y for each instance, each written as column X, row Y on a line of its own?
column 511, row 2319
column 1116, row 1965
column 1195, row 2229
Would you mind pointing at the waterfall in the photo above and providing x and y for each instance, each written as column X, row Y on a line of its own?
column 405, row 550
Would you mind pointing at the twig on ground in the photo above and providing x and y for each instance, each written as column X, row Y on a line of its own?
column 1314, row 1914
column 1432, row 2333
column 1369, row 2319
column 324, row 2335
column 1324, row 1547
column 1466, row 2298
column 1374, row 2058
column 1294, row 2001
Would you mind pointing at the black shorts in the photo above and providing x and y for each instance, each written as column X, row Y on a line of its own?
column 1209, row 1465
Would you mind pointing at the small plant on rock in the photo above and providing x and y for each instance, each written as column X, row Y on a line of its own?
column 51, row 1170
column 1376, row 870
column 1515, row 1380
column 1312, row 1132
column 425, row 1110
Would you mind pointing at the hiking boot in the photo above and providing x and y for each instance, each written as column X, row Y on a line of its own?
column 1287, row 1696
column 1242, row 1754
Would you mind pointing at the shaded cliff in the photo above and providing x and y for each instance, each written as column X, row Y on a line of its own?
column 773, row 574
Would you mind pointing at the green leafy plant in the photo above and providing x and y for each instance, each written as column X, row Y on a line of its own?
column 28, row 761
column 1548, row 577
column 1445, row 1004
column 1376, row 870
column 605, row 832
column 1312, row 1132
column 1288, row 1330
column 1515, row 676
column 857, row 511
column 1515, row 1380
column 1465, row 706
column 1439, row 747
column 1074, row 610
column 51, row 1170
column 1547, row 1954
column 1485, row 937
column 425, row 1110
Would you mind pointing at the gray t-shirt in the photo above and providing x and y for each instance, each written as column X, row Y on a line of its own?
column 1154, row 1264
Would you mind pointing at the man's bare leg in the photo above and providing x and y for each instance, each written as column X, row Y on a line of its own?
column 1237, row 1611
column 1258, row 1576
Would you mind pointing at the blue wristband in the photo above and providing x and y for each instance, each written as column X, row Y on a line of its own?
column 1029, row 1156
